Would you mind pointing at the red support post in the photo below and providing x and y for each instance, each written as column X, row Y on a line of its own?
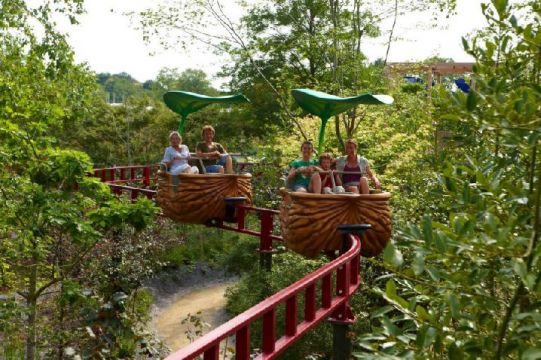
column 265, row 243
column 123, row 173
column 291, row 316
column 103, row 175
column 133, row 173
column 241, row 215
column 266, row 231
column 242, row 343
column 146, row 176
column 134, row 194
column 269, row 331
column 341, row 280
column 326, row 292
column 213, row 353
column 355, row 270
column 112, row 174
column 310, row 303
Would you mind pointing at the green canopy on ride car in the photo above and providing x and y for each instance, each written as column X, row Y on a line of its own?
column 326, row 105
column 185, row 103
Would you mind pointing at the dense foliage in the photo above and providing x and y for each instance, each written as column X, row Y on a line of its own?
column 461, row 278
column 467, row 281
column 53, row 217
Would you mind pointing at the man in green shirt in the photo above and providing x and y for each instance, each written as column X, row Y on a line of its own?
column 301, row 172
column 215, row 155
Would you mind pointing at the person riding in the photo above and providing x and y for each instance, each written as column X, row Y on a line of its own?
column 355, row 170
column 215, row 155
column 176, row 156
column 301, row 171
column 326, row 175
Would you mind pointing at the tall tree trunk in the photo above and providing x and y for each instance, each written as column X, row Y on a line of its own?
column 359, row 32
column 532, row 167
column 392, row 32
column 31, row 304
column 311, row 30
column 337, row 130
column 335, row 14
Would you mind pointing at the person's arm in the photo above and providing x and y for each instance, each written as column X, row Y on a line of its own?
column 373, row 177
column 166, row 158
column 210, row 155
column 337, row 179
column 220, row 148
column 185, row 152
column 292, row 173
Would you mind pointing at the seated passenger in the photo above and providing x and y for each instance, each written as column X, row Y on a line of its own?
column 215, row 155
column 176, row 156
column 355, row 169
column 300, row 172
column 326, row 174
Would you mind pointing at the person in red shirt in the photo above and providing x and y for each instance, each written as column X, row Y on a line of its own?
column 327, row 186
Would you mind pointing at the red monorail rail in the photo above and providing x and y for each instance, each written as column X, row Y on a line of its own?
column 335, row 305
column 125, row 174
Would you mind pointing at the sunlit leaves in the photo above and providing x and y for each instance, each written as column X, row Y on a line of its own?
column 475, row 266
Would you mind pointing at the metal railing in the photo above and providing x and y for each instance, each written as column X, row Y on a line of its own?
column 127, row 174
column 334, row 301
column 333, row 304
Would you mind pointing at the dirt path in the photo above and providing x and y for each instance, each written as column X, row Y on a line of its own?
column 181, row 293
column 209, row 300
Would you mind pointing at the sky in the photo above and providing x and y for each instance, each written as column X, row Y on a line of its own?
column 106, row 39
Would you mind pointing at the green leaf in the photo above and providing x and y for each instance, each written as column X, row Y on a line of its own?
column 391, row 328
column 381, row 311
column 422, row 313
column 433, row 272
column 393, row 256
column 454, row 352
column 427, row 229
column 418, row 264
column 531, row 354
column 520, row 268
column 471, row 101
column 452, row 300
column 440, row 241
column 425, row 336
column 465, row 44
column 513, row 21
column 390, row 288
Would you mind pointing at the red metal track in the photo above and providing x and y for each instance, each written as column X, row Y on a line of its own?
column 346, row 268
column 333, row 304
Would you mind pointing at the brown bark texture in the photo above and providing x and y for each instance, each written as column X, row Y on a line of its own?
column 196, row 199
column 310, row 222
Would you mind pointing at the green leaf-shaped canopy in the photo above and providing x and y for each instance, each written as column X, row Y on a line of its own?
column 326, row 105
column 185, row 102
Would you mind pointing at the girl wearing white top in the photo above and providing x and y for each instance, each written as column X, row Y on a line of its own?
column 176, row 156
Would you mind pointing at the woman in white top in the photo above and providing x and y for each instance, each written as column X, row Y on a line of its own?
column 176, row 156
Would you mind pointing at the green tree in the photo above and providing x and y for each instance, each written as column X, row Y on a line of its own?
column 279, row 45
column 465, row 280
column 119, row 87
column 47, row 229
